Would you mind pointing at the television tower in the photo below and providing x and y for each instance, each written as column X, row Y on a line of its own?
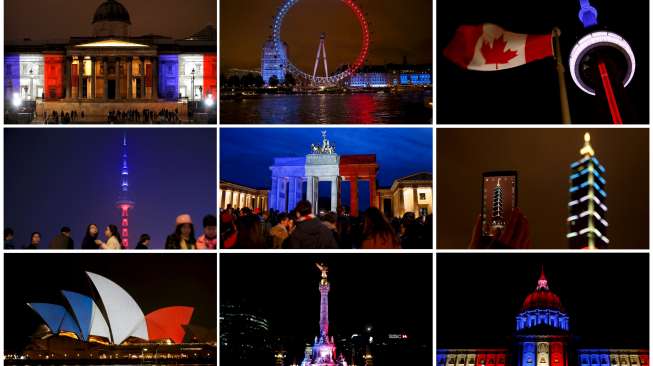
column 602, row 63
column 321, row 49
column 124, row 203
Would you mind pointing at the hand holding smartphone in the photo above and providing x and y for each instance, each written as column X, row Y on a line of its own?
column 498, row 199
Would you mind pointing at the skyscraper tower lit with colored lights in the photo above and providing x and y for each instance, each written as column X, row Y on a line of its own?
column 124, row 203
column 324, row 349
column 587, row 209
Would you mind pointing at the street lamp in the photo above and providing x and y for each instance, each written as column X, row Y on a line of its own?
column 209, row 100
column 192, row 84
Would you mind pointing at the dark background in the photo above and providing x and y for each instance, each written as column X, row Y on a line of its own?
column 62, row 19
column 542, row 158
column 153, row 280
column 529, row 93
column 399, row 28
column 389, row 292
column 605, row 295
column 57, row 177
column 399, row 152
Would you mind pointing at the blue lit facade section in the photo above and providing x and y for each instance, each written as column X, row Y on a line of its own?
column 83, row 309
column 422, row 78
column 12, row 75
column 169, row 77
column 588, row 14
column 274, row 61
column 68, row 324
column 369, row 80
column 550, row 317
column 51, row 314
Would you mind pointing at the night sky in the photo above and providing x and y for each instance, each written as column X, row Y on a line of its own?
column 57, row 177
column 605, row 295
column 542, row 158
column 398, row 28
column 61, row 19
column 366, row 290
column 529, row 93
column 399, row 152
column 158, row 281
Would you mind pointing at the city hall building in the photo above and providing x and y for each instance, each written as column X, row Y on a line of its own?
column 111, row 70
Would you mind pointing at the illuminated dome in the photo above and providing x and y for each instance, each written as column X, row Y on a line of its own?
column 111, row 11
column 542, row 308
column 542, row 297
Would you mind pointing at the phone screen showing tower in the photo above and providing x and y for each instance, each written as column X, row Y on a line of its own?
column 498, row 201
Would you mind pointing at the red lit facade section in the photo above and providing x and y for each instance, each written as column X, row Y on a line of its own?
column 167, row 323
column 210, row 84
column 53, row 76
column 355, row 167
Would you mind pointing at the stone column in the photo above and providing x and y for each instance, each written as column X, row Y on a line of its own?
column 353, row 196
column 118, row 75
column 80, row 77
column 311, row 192
column 130, row 95
column 68, row 76
column 142, row 60
column 106, row 78
column 373, row 202
column 274, row 193
column 334, row 194
column 234, row 196
column 415, row 202
column 155, row 78
column 93, row 78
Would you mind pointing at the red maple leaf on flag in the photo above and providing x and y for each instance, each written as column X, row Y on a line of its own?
column 495, row 53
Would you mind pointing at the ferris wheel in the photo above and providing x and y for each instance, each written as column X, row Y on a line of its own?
column 323, row 80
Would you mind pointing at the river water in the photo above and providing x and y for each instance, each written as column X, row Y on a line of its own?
column 406, row 107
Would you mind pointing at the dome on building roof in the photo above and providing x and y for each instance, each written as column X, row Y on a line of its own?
column 111, row 11
column 542, row 297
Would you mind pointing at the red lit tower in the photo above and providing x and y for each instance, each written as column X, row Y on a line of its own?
column 124, row 203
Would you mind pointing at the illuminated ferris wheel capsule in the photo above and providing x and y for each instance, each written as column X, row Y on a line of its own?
column 323, row 80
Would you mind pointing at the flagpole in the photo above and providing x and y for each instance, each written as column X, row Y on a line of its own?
column 564, row 102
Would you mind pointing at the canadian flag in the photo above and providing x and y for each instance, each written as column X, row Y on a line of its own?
column 487, row 47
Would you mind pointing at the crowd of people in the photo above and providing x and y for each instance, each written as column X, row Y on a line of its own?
column 144, row 116
column 245, row 228
column 182, row 238
column 62, row 117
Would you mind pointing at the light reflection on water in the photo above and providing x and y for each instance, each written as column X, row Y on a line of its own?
column 406, row 107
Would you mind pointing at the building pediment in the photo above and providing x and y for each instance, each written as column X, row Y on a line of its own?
column 112, row 43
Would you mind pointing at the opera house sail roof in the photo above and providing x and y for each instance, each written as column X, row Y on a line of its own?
column 114, row 316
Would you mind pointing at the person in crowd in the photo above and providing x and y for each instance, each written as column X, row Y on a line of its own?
column 209, row 237
column 377, row 231
column 330, row 220
column 228, row 230
column 113, row 238
column 250, row 231
column 280, row 232
column 184, row 235
column 35, row 240
column 143, row 242
column 90, row 240
column 9, row 238
column 63, row 240
column 309, row 232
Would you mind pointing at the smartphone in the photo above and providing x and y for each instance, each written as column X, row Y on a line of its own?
column 499, row 198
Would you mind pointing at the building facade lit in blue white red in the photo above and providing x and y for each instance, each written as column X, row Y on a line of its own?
column 111, row 65
column 274, row 63
column 542, row 337
column 587, row 210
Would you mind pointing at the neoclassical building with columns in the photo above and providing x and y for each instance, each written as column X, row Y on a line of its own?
column 240, row 196
column 112, row 69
